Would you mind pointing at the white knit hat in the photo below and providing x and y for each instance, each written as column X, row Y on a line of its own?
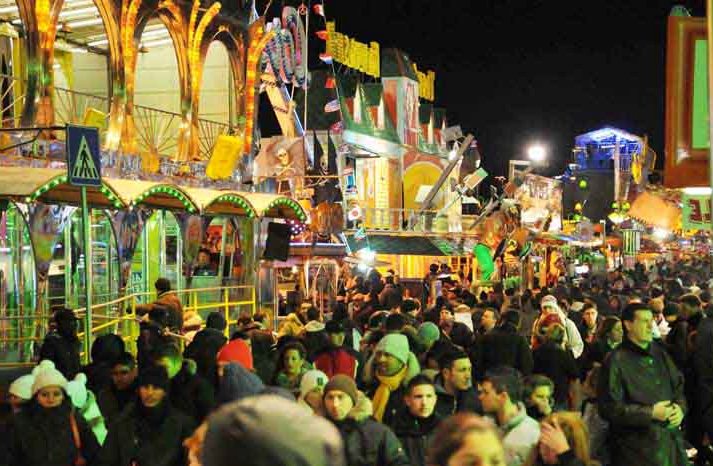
column 22, row 387
column 312, row 379
column 47, row 376
column 77, row 390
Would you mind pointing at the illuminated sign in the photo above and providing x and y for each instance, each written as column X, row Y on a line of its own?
column 696, row 212
column 367, row 58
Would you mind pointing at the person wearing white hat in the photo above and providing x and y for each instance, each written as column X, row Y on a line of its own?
column 48, row 432
column 86, row 405
column 20, row 392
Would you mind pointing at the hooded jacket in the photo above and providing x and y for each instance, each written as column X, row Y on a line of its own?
column 63, row 351
column 632, row 380
column 43, row 437
column 573, row 340
column 291, row 326
column 370, row 443
column 203, row 350
column 416, row 435
column 150, row 437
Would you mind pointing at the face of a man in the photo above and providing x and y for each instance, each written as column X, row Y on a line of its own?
column 489, row 398
column 541, row 398
column 337, row 404
column 590, row 317
column 386, row 364
column 640, row 330
column 151, row 396
column 459, row 376
column 548, row 309
column 488, row 320
column 446, row 316
column 123, row 376
column 421, row 401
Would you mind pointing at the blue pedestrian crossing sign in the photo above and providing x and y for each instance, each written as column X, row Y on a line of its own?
column 83, row 156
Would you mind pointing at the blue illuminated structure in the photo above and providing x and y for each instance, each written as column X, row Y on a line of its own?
column 595, row 150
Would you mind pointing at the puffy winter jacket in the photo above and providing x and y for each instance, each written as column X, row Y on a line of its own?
column 43, row 437
column 369, row 443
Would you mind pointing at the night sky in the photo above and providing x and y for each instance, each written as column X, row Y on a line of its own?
column 512, row 72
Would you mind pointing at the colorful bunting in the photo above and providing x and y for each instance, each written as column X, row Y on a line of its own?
column 330, row 83
column 326, row 58
column 332, row 106
column 337, row 127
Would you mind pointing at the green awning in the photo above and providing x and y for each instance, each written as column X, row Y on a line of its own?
column 407, row 245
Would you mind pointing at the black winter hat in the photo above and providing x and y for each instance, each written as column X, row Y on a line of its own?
column 154, row 375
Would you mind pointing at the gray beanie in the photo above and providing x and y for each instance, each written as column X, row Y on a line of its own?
column 270, row 430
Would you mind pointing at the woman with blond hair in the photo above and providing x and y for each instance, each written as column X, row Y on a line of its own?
column 563, row 441
column 465, row 439
column 552, row 360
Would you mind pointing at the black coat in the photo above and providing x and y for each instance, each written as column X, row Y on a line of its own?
column 192, row 394
column 461, row 335
column 559, row 365
column 416, row 435
column 43, row 437
column 394, row 405
column 112, row 401
column 677, row 343
column 135, row 437
column 501, row 347
column 631, row 382
column 464, row 401
column 63, row 352
column 703, row 369
column 203, row 350
column 369, row 443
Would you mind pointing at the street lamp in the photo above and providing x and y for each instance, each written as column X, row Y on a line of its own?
column 537, row 153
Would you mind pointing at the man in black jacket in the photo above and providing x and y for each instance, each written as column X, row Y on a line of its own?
column 502, row 347
column 61, row 345
column 113, row 399
column 454, row 385
column 205, row 346
column 415, row 426
column 189, row 392
column 366, row 442
column 641, row 395
column 151, row 431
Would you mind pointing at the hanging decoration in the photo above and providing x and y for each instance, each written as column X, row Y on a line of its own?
column 127, row 226
column 285, row 51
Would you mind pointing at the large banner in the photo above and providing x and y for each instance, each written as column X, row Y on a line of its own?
column 696, row 211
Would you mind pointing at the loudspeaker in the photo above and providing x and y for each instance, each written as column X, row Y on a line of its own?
column 277, row 245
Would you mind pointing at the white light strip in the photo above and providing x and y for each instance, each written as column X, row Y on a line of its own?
column 154, row 35
column 92, row 11
column 85, row 23
column 156, row 43
column 8, row 9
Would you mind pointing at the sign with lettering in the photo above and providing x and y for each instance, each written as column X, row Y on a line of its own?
column 367, row 59
column 696, row 212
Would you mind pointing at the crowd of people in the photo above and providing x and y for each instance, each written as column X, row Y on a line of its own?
column 611, row 370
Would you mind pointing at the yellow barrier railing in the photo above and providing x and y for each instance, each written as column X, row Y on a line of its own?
column 228, row 299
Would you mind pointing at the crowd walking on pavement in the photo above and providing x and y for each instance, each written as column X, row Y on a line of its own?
column 606, row 370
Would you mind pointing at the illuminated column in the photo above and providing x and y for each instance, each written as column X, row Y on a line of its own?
column 258, row 39
column 39, row 18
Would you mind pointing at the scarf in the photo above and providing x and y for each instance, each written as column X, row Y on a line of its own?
column 387, row 385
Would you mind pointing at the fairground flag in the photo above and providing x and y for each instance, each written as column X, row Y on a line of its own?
column 330, row 83
column 319, row 9
column 326, row 58
column 322, row 34
column 332, row 106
